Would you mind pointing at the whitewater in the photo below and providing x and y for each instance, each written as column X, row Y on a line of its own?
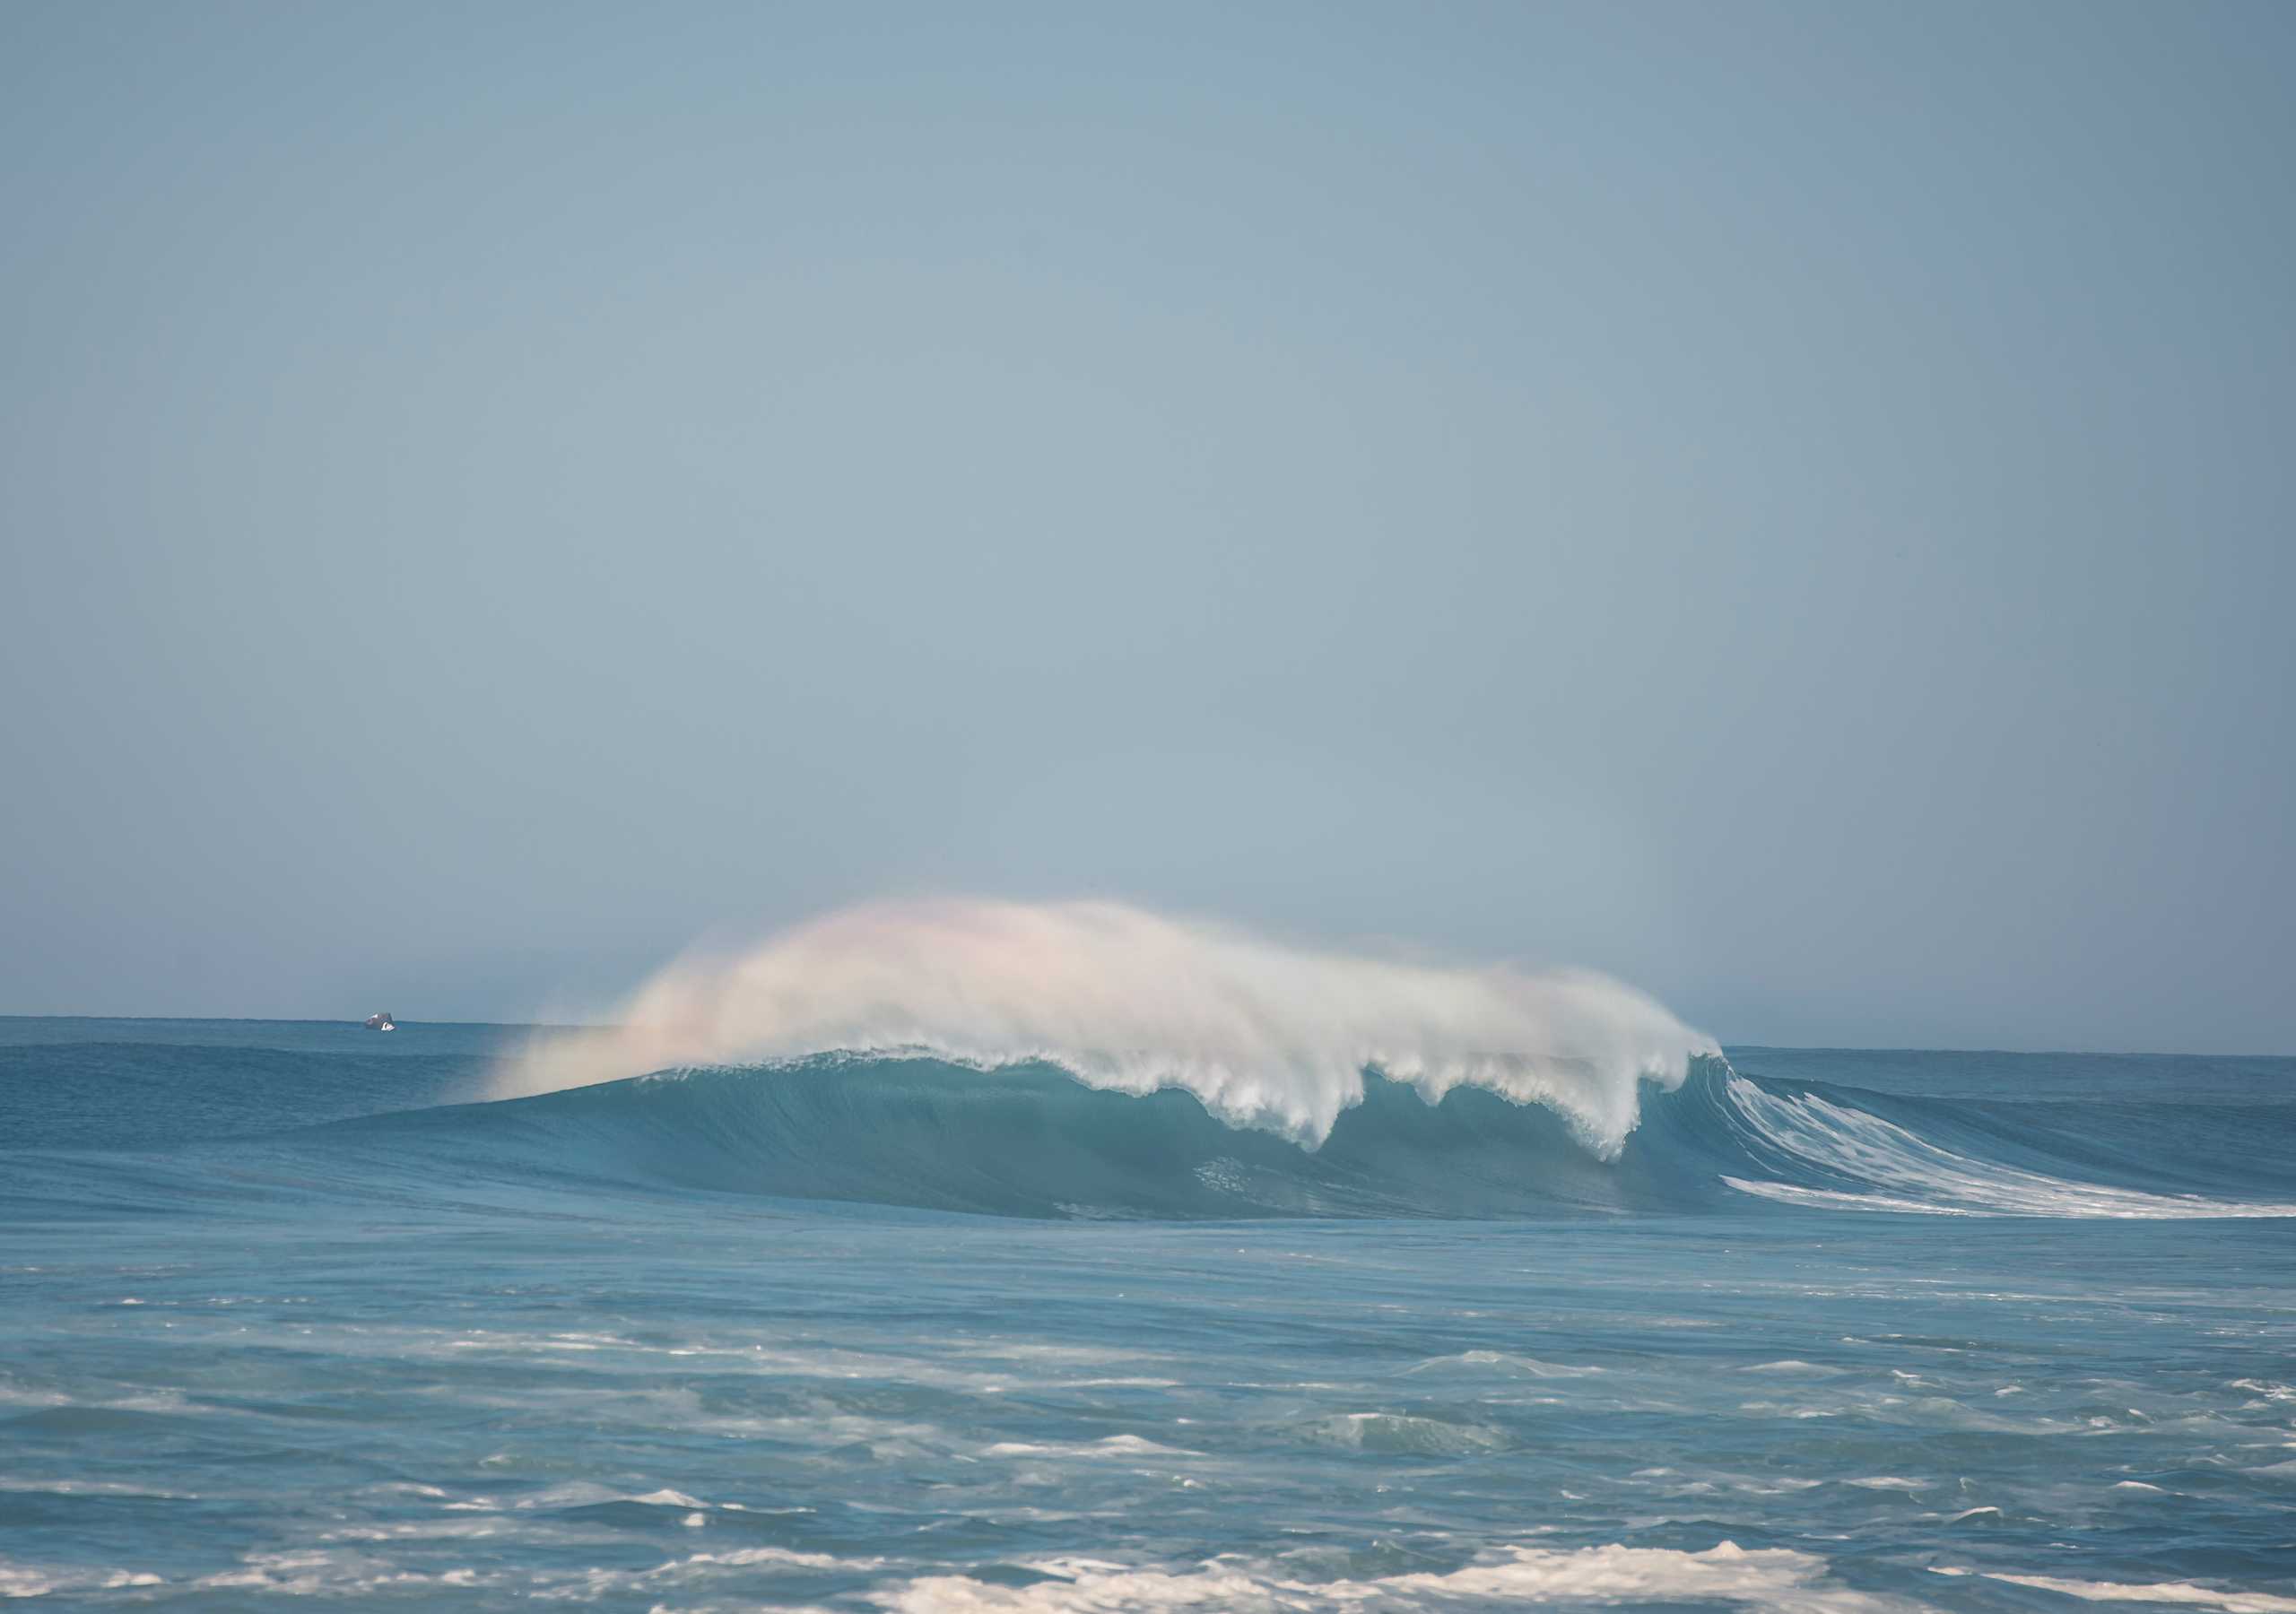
column 995, row 1256
column 1262, row 1034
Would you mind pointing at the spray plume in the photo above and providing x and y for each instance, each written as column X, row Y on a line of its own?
column 1265, row 1035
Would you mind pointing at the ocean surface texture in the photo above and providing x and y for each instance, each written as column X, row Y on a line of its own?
column 288, row 1319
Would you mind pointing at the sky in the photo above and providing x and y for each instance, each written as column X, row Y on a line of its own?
column 1788, row 504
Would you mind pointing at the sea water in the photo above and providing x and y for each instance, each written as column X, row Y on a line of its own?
column 286, row 1320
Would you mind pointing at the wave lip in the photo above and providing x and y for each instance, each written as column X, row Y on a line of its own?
column 1265, row 1034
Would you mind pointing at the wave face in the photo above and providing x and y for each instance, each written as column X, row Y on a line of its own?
column 1035, row 1140
column 148, row 1113
column 1264, row 1034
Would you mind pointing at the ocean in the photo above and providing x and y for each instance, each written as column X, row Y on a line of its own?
column 290, row 1318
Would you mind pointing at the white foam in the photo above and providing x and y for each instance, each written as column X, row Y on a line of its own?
column 2184, row 1593
column 18, row 1581
column 1265, row 1035
column 344, row 1571
column 1900, row 1171
column 92, row 1488
column 1402, row 1432
column 1113, row 1445
column 441, row 1529
column 1774, row 1578
column 699, row 1568
column 1794, row 1366
column 1522, row 1367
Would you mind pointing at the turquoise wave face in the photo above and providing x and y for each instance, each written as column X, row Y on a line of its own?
column 1029, row 1140
column 283, row 1315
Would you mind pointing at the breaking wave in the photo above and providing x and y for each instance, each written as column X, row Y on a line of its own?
column 1264, row 1034
column 1032, row 1139
column 1092, row 1060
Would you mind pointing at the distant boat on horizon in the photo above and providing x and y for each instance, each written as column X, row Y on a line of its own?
column 381, row 1022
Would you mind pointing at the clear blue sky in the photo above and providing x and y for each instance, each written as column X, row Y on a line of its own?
column 1787, row 504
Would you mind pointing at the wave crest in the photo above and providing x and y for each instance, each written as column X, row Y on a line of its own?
column 1263, row 1033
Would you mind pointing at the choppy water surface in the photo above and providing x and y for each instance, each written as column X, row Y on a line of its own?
column 281, row 1318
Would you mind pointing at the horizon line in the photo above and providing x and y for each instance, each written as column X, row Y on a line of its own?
column 1757, row 1048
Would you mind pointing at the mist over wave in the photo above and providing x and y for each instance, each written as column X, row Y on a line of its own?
column 1265, row 1035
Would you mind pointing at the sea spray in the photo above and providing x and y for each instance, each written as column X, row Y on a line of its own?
column 1264, row 1033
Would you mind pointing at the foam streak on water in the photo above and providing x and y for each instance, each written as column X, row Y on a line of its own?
column 1876, row 1165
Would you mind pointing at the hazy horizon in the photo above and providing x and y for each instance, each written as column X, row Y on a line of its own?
column 1730, row 1046
column 1787, row 505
